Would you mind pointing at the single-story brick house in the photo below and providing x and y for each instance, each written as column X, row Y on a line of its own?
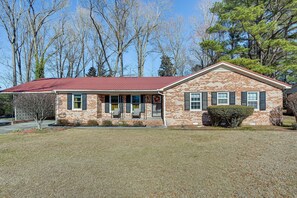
column 161, row 100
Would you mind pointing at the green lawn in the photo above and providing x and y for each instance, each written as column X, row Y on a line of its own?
column 148, row 163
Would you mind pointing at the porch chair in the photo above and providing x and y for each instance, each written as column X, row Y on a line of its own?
column 136, row 113
column 116, row 113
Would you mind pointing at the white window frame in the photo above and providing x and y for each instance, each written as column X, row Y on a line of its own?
column 111, row 104
column 76, row 94
column 132, row 102
column 200, row 109
column 258, row 99
column 223, row 98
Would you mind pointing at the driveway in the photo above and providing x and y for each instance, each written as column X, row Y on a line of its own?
column 20, row 126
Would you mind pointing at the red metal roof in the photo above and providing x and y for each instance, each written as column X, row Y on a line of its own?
column 95, row 83
column 122, row 83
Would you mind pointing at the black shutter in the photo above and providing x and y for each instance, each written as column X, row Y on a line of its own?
column 142, row 103
column 231, row 98
column 128, row 104
column 107, row 104
column 121, row 104
column 187, row 100
column 244, row 98
column 84, row 101
column 262, row 100
column 204, row 101
column 213, row 98
column 69, row 101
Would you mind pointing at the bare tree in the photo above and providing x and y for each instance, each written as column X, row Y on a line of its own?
column 36, row 104
column 145, row 19
column 111, row 21
column 37, row 17
column 172, row 41
column 201, row 24
column 11, row 13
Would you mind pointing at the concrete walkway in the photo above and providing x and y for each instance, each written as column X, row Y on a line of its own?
column 25, row 125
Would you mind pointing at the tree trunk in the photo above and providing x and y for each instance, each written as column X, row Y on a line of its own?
column 14, row 73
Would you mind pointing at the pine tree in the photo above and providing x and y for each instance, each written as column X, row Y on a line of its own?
column 258, row 34
column 92, row 72
column 166, row 67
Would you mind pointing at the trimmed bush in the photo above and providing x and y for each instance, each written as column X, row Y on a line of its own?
column 107, row 123
column 123, row 124
column 92, row 123
column 294, row 126
column 63, row 122
column 138, row 124
column 229, row 115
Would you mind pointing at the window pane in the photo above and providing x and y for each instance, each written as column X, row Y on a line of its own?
column 77, row 105
column 223, row 96
column 253, row 96
column 136, row 99
column 195, row 105
column 114, row 107
column 114, row 99
column 195, row 97
column 253, row 104
column 223, row 101
column 135, row 106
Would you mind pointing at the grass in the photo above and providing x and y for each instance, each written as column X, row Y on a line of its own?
column 288, row 120
column 148, row 163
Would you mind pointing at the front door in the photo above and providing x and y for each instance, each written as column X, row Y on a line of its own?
column 157, row 106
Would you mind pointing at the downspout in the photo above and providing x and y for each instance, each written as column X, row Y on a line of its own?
column 164, row 108
column 56, row 108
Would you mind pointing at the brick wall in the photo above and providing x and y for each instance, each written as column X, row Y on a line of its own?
column 215, row 81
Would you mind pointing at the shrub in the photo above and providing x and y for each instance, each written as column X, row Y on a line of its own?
column 123, row 124
column 138, row 124
column 6, row 108
column 77, row 123
column 63, row 122
column 294, row 126
column 276, row 116
column 292, row 104
column 229, row 115
column 107, row 123
column 92, row 123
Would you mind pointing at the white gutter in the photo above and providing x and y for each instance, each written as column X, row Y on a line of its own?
column 27, row 92
column 164, row 108
column 105, row 91
column 57, row 108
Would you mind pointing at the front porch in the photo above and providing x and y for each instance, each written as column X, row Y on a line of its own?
column 120, row 109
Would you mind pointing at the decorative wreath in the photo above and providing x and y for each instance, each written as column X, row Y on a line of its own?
column 157, row 99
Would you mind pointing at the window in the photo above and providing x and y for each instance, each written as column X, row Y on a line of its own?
column 195, row 101
column 253, row 99
column 77, row 101
column 135, row 102
column 114, row 103
column 223, row 98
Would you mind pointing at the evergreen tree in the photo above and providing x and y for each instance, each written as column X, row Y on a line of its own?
column 92, row 72
column 166, row 67
column 258, row 34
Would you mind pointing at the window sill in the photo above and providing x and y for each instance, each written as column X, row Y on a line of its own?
column 76, row 109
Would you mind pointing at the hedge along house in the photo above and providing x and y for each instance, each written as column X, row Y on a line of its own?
column 161, row 100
